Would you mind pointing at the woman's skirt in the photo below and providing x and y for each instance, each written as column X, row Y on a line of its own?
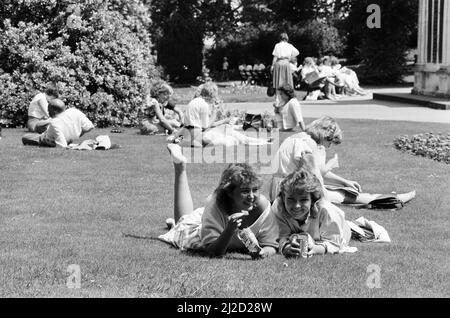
column 282, row 74
column 186, row 234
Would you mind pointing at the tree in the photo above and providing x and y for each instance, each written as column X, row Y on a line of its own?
column 180, row 49
column 310, row 24
column 382, row 50
column 179, row 28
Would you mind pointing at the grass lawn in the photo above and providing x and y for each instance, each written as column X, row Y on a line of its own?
column 231, row 93
column 61, row 207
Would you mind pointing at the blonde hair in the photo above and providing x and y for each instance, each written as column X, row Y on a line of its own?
column 160, row 88
column 308, row 60
column 301, row 181
column 325, row 129
column 209, row 91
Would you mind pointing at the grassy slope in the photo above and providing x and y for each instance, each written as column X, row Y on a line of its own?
column 67, row 207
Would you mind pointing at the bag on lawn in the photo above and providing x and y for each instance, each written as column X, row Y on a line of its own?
column 386, row 202
column 254, row 121
column 271, row 90
column 383, row 202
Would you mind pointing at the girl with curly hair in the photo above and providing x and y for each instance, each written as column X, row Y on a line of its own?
column 300, row 208
column 152, row 116
column 235, row 204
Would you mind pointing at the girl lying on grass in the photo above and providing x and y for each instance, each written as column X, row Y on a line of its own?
column 309, row 148
column 235, row 204
column 300, row 208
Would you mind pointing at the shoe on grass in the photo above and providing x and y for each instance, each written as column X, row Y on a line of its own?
column 170, row 223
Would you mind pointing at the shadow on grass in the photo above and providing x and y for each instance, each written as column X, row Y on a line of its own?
column 235, row 255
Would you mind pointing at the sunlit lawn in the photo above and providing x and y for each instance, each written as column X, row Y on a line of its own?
column 61, row 207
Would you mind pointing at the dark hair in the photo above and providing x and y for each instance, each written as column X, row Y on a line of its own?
column 288, row 90
column 284, row 37
column 325, row 59
column 235, row 175
column 52, row 91
column 55, row 107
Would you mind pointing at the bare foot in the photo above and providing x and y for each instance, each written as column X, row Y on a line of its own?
column 406, row 197
column 174, row 139
column 176, row 154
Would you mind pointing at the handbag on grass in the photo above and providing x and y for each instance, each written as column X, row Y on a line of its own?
column 254, row 121
column 271, row 90
column 386, row 202
column 383, row 202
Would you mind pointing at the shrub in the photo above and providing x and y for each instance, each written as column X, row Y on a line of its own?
column 429, row 145
column 96, row 52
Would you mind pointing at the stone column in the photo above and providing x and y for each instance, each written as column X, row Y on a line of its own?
column 419, row 74
column 433, row 79
column 444, row 71
column 422, row 28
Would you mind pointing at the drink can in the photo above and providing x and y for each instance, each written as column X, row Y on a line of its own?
column 302, row 240
column 250, row 241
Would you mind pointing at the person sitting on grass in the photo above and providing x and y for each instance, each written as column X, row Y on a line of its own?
column 314, row 87
column 66, row 126
column 300, row 208
column 347, row 78
column 198, row 114
column 235, row 204
column 38, row 116
column 288, row 114
column 308, row 148
column 152, row 116
column 330, row 76
column 201, row 128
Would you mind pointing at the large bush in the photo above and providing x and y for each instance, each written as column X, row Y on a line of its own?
column 97, row 52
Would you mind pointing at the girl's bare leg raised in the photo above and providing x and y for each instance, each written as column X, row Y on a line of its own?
column 183, row 204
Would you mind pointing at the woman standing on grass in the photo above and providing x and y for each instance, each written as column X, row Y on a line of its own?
column 308, row 148
column 235, row 204
column 281, row 67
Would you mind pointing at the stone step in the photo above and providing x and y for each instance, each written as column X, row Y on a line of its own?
column 408, row 98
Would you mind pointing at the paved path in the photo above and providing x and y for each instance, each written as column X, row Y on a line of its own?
column 378, row 110
column 363, row 107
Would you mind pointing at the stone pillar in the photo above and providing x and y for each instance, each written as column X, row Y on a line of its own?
column 444, row 71
column 432, row 71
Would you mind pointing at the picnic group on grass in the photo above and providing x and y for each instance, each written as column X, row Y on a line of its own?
column 304, row 192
